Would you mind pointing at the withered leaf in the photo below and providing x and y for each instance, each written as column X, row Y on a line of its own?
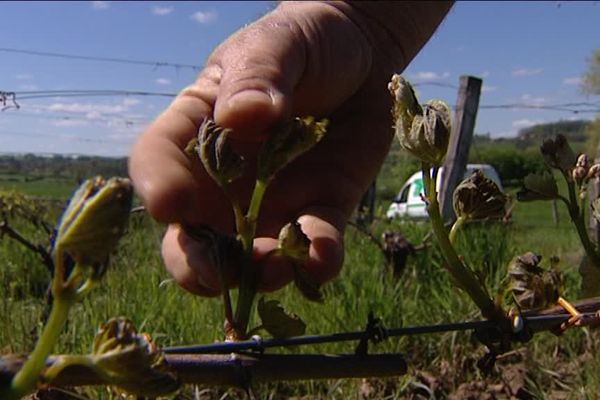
column 532, row 286
column 538, row 186
column 478, row 197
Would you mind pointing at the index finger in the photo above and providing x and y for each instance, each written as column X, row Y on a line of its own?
column 172, row 185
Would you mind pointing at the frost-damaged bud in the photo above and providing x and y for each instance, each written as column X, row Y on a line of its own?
column 294, row 244
column 538, row 187
column 406, row 106
column 594, row 171
column 95, row 219
column 580, row 171
column 219, row 160
column 478, row 197
column 423, row 131
column 558, row 154
column 287, row 142
column 532, row 286
column 130, row 360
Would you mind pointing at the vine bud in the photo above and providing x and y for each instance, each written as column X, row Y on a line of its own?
column 130, row 360
column 219, row 160
column 594, row 171
column 423, row 131
column 95, row 219
column 558, row 154
column 478, row 197
column 580, row 171
column 287, row 142
column 295, row 245
column 293, row 242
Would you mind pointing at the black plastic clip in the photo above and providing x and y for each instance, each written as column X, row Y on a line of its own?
column 375, row 332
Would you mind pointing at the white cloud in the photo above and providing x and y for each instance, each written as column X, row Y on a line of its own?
column 23, row 77
column 430, row 75
column 520, row 72
column 28, row 86
column 204, row 17
column 486, row 88
column 86, row 108
column 69, row 123
column 525, row 122
column 575, row 80
column 158, row 10
column 163, row 81
column 100, row 5
column 484, row 74
column 533, row 100
column 130, row 101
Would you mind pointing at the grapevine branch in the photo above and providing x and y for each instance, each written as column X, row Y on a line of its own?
column 246, row 368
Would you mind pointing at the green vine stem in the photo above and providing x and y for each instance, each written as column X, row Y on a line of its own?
column 460, row 221
column 247, row 290
column 463, row 275
column 25, row 380
column 578, row 218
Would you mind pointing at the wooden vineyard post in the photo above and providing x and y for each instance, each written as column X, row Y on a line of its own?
column 366, row 207
column 463, row 126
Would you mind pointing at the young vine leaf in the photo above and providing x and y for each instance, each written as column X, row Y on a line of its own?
column 277, row 322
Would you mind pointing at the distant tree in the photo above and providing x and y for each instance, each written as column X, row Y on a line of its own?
column 591, row 78
column 574, row 131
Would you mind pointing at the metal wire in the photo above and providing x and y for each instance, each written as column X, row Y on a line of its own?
column 534, row 323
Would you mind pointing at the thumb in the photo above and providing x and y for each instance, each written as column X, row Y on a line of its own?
column 303, row 58
column 261, row 65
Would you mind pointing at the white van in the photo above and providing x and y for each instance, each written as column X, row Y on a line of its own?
column 408, row 202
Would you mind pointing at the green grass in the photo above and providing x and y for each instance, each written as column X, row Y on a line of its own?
column 137, row 286
column 45, row 187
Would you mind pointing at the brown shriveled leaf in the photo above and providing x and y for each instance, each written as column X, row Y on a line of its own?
column 532, row 286
column 538, row 187
column 277, row 322
column 478, row 197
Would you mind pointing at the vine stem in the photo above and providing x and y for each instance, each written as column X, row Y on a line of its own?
column 455, row 227
column 577, row 216
column 462, row 274
column 247, row 290
column 25, row 380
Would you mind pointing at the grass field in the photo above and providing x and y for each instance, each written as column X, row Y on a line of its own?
column 441, row 365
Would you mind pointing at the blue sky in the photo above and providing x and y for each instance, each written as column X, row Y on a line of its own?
column 527, row 53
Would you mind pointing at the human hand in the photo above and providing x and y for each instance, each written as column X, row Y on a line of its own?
column 308, row 58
